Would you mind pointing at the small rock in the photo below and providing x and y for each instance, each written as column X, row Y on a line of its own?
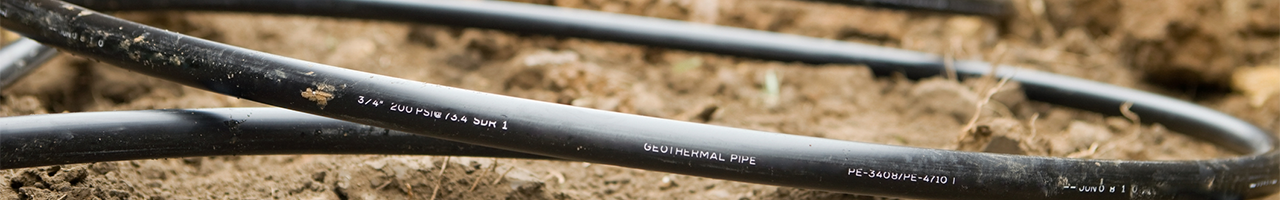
column 667, row 183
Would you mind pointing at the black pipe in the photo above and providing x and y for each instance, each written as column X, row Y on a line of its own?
column 21, row 58
column 53, row 139
column 603, row 137
column 1184, row 117
column 41, row 140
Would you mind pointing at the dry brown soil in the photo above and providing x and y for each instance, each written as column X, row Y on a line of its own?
column 1187, row 49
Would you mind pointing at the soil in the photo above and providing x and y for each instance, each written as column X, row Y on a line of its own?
column 1221, row 54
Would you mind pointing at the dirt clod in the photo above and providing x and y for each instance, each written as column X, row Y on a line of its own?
column 320, row 97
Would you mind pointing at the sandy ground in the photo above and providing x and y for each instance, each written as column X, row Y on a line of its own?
column 1221, row 54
